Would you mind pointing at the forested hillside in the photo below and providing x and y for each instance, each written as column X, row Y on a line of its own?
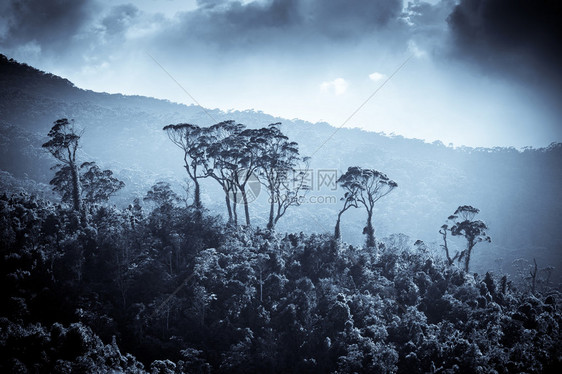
column 520, row 190
column 139, row 235
column 184, row 295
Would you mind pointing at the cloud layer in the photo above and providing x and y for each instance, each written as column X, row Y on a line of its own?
column 269, row 53
column 227, row 23
column 49, row 24
column 520, row 39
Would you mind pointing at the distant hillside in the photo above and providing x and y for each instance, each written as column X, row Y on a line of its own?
column 518, row 192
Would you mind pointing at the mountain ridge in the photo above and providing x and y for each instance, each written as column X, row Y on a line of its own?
column 9, row 66
column 124, row 133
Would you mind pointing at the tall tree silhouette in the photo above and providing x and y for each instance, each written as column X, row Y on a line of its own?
column 443, row 231
column 474, row 231
column 63, row 144
column 245, row 150
column 366, row 187
column 282, row 171
column 188, row 138
column 349, row 201
column 219, row 164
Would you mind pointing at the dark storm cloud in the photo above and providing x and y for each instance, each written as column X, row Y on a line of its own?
column 429, row 18
column 520, row 38
column 48, row 23
column 119, row 19
column 231, row 22
column 55, row 26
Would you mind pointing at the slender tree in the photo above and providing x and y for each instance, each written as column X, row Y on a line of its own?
column 367, row 186
column 350, row 201
column 189, row 139
column 281, row 170
column 474, row 231
column 290, row 192
column 219, row 164
column 63, row 145
column 443, row 231
column 244, row 153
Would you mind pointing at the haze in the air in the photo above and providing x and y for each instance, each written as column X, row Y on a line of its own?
column 479, row 73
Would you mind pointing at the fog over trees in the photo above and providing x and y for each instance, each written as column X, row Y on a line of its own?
column 219, row 254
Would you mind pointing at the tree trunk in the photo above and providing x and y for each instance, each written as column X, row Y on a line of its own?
column 446, row 247
column 337, row 232
column 467, row 258
column 197, row 197
column 227, row 201
column 193, row 177
column 370, row 231
column 234, row 213
column 76, row 188
column 271, row 222
column 245, row 202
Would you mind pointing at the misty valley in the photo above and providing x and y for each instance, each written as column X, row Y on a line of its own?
column 140, row 235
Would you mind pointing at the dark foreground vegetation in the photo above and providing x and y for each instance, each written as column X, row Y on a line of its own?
column 179, row 292
column 164, row 286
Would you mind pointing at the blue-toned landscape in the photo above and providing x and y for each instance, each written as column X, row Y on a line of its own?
column 408, row 223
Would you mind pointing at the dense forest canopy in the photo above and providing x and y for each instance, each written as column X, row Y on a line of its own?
column 204, row 247
column 182, row 294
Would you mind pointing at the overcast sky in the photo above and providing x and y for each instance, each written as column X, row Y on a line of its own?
column 479, row 73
